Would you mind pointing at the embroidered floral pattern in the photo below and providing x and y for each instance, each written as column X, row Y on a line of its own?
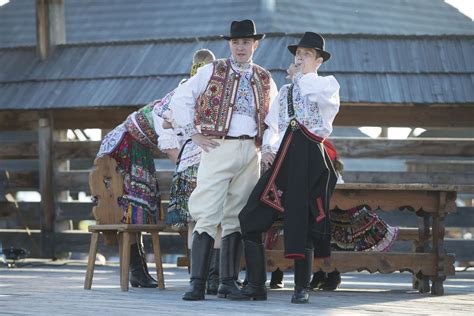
column 307, row 113
column 140, row 202
column 245, row 104
column 111, row 140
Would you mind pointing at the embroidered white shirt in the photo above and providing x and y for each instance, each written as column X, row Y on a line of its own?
column 183, row 105
column 316, row 103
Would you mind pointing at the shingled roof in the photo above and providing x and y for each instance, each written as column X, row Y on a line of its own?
column 125, row 20
column 127, row 53
column 370, row 69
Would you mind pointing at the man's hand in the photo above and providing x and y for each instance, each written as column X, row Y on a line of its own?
column 292, row 70
column 205, row 143
column 267, row 159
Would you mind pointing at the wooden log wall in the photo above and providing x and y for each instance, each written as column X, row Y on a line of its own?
column 32, row 225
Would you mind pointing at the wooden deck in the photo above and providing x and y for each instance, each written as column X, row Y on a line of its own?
column 45, row 288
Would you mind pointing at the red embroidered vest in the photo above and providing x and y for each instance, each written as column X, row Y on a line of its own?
column 215, row 106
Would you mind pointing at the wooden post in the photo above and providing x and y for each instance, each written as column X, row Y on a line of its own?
column 50, row 26
column 46, row 185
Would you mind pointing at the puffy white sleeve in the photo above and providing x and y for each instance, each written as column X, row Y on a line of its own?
column 325, row 92
column 182, row 104
column 167, row 138
column 270, row 136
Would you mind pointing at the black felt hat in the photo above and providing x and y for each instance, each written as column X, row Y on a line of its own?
column 243, row 29
column 311, row 40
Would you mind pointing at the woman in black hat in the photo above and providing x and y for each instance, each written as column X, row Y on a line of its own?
column 301, row 178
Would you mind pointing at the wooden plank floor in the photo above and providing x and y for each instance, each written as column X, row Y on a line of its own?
column 45, row 288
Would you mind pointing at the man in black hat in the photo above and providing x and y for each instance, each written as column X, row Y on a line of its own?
column 223, row 108
column 301, row 178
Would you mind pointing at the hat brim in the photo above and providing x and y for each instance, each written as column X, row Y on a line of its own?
column 256, row 36
column 324, row 54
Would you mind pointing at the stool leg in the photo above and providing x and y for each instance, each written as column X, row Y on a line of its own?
column 125, row 262
column 159, row 265
column 91, row 261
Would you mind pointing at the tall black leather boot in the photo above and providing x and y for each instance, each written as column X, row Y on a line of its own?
column 213, row 277
column 200, row 261
column 139, row 276
column 302, row 276
column 230, row 265
column 256, row 274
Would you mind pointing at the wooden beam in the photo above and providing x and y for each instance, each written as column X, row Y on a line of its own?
column 105, row 118
column 347, row 147
column 78, row 180
column 18, row 120
column 383, row 262
column 463, row 217
column 405, row 115
column 50, row 26
column 46, row 183
column 14, row 181
column 357, row 147
column 462, row 179
column 84, row 149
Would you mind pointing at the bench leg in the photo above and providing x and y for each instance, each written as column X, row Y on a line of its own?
column 125, row 261
column 91, row 260
column 420, row 281
column 438, row 248
column 184, row 236
column 159, row 265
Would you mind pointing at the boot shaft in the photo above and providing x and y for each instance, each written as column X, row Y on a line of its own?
column 231, row 251
column 256, row 263
column 201, row 255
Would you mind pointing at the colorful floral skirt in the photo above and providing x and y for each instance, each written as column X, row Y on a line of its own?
column 182, row 185
column 356, row 229
column 360, row 229
column 141, row 199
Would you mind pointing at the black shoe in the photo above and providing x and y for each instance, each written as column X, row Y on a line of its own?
column 300, row 295
column 318, row 280
column 139, row 276
column 332, row 281
column 256, row 274
column 276, row 281
column 200, row 260
column 302, row 275
column 213, row 278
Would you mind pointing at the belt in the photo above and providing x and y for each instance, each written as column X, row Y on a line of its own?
column 242, row 137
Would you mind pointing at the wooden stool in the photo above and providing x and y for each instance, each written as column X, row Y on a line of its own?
column 124, row 233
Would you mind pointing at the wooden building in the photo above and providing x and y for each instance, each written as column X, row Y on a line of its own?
column 91, row 65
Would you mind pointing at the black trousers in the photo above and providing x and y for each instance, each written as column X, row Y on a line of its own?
column 297, row 189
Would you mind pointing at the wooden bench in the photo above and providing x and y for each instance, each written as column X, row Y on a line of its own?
column 431, row 203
